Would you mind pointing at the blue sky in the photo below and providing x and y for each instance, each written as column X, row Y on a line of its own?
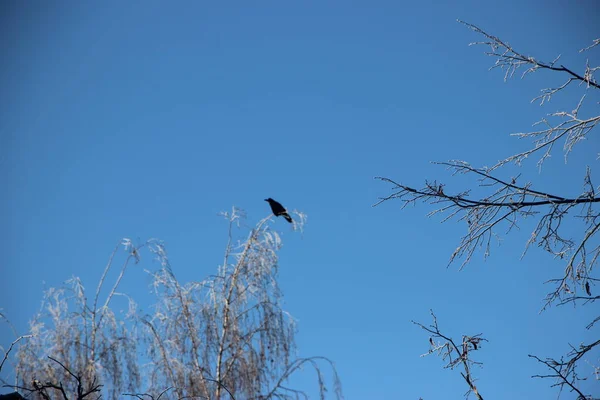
column 146, row 119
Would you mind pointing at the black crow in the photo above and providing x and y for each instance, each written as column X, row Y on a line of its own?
column 278, row 209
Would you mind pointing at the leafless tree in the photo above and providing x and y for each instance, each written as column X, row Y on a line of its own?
column 497, row 202
column 225, row 337
column 228, row 335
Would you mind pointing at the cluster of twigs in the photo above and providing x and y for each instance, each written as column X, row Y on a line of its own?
column 455, row 354
column 564, row 371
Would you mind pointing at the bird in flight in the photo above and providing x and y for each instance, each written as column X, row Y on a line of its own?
column 279, row 210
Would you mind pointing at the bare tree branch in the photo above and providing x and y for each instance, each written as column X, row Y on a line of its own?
column 572, row 128
column 595, row 43
column 455, row 354
column 507, row 203
column 565, row 372
column 11, row 347
column 511, row 60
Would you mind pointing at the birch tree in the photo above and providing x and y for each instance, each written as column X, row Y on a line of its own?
column 223, row 337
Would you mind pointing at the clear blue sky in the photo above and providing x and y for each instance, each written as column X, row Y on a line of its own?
column 145, row 119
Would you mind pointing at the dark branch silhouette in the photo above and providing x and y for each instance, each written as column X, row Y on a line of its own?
column 41, row 388
column 565, row 372
column 506, row 204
